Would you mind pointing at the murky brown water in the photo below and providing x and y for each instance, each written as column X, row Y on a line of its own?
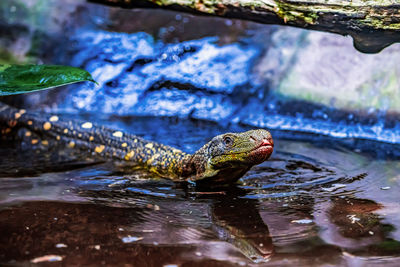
column 313, row 204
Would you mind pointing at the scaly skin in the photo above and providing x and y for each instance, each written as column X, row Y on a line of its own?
column 224, row 159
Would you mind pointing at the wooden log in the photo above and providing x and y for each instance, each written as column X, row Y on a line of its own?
column 373, row 24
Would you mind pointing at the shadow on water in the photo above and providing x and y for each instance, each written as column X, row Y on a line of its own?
column 308, row 205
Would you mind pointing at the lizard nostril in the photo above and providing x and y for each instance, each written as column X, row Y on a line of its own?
column 253, row 138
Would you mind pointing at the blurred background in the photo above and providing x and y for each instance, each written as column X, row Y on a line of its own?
column 164, row 63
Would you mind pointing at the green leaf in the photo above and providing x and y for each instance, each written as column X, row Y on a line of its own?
column 18, row 79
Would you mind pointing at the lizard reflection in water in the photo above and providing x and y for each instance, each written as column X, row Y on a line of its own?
column 224, row 159
column 246, row 229
column 119, row 213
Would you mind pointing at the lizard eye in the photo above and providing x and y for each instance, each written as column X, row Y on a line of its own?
column 228, row 141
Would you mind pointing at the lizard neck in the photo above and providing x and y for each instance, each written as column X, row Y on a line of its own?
column 196, row 164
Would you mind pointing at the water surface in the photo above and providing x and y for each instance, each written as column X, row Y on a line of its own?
column 315, row 202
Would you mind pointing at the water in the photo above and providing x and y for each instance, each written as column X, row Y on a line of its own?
column 314, row 203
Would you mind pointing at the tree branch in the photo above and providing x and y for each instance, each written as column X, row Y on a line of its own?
column 373, row 24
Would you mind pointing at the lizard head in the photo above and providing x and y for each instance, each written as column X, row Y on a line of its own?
column 229, row 156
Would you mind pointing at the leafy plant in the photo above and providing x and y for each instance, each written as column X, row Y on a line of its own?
column 18, row 79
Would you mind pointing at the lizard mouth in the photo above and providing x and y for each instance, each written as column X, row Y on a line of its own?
column 262, row 152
